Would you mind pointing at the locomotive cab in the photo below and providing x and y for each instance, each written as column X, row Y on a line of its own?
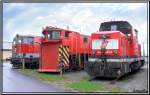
column 54, row 40
column 115, row 50
column 62, row 50
column 18, row 43
column 53, row 35
column 23, row 47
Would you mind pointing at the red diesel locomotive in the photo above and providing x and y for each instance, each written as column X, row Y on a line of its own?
column 63, row 50
column 115, row 50
column 26, row 48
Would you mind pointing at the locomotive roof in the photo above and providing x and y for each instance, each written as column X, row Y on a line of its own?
column 124, row 23
column 26, row 36
column 55, row 28
column 107, row 32
column 122, row 26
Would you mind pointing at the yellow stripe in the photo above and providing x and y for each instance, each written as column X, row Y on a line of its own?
column 67, row 49
column 60, row 51
column 66, row 52
column 59, row 54
column 66, row 58
column 59, row 57
column 59, row 48
column 65, row 62
column 61, row 45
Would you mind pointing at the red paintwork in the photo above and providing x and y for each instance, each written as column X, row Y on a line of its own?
column 49, row 48
column 49, row 57
column 27, row 48
column 135, row 47
column 85, row 46
column 125, row 49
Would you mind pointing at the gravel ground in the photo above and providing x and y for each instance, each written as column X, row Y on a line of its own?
column 134, row 82
column 77, row 75
column 137, row 81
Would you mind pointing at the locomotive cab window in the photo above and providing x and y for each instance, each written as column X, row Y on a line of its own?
column 54, row 35
column 135, row 33
column 49, row 35
column 85, row 39
column 66, row 34
column 27, row 40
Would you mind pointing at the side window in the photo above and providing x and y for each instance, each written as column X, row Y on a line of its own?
column 56, row 35
column 53, row 35
column 135, row 34
column 66, row 34
column 27, row 40
column 85, row 40
column 30, row 40
column 49, row 35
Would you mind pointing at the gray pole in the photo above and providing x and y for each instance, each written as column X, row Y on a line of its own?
column 84, row 53
column 84, row 50
column 23, row 62
column 61, row 65
column 143, row 50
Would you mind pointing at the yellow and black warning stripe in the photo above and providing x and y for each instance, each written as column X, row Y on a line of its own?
column 64, row 55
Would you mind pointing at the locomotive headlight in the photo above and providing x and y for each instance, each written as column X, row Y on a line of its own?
column 115, row 51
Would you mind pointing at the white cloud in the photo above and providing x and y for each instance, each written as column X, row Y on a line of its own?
column 81, row 17
column 85, row 17
column 133, row 6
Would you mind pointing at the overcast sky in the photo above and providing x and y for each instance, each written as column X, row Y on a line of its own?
column 29, row 18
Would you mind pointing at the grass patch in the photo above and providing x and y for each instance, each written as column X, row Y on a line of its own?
column 82, row 85
column 87, row 86
column 42, row 76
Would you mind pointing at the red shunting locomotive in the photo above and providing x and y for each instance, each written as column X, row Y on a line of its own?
column 63, row 49
column 26, row 48
column 115, row 50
